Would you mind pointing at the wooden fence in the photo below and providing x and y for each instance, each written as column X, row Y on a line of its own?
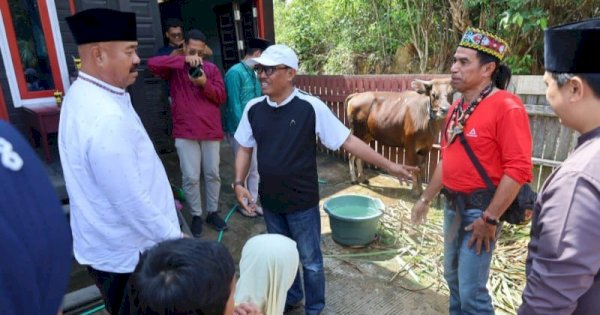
column 551, row 141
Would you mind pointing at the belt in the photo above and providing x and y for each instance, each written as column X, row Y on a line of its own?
column 458, row 202
column 477, row 199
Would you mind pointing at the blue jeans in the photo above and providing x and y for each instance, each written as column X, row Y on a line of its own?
column 466, row 272
column 304, row 227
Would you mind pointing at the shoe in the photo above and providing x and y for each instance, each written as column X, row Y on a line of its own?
column 292, row 307
column 215, row 221
column 196, row 226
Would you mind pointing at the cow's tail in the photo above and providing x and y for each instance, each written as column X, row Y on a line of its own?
column 349, row 114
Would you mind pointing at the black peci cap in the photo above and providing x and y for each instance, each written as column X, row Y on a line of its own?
column 102, row 25
column 259, row 43
column 571, row 48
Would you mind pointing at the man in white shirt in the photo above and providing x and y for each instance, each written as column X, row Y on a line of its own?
column 121, row 201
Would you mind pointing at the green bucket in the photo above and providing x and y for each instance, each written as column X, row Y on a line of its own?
column 354, row 219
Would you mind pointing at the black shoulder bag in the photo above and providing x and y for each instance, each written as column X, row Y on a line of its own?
column 520, row 210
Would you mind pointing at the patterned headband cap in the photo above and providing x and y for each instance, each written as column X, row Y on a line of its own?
column 485, row 42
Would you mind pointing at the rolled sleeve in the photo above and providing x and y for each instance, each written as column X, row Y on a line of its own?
column 514, row 139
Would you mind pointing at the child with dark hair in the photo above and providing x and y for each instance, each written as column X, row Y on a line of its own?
column 184, row 276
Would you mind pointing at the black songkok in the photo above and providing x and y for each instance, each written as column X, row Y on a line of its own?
column 259, row 43
column 572, row 48
column 102, row 25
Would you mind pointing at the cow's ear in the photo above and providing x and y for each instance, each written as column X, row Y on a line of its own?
column 421, row 87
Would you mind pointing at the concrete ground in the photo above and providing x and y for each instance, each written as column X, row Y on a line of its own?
column 353, row 286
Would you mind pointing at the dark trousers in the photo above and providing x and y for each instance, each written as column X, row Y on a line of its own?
column 113, row 287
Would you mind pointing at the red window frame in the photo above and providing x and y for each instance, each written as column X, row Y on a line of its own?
column 261, row 22
column 3, row 111
column 15, row 55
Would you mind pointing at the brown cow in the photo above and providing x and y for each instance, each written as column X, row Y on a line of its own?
column 408, row 119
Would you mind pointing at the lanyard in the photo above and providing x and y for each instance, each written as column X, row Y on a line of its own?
column 458, row 118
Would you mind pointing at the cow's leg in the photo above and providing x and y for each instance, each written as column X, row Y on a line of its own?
column 361, row 174
column 413, row 160
column 351, row 163
column 421, row 159
column 418, row 184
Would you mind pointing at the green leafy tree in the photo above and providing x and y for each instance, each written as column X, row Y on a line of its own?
column 390, row 36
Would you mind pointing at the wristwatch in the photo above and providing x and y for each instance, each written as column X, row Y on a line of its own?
column 488, row 219
column 237, row 182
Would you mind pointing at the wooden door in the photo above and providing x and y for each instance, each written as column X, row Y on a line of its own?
column 228, row 34
column 236, row 24
column 249, row 23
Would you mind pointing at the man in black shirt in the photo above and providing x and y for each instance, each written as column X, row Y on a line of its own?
column 282, row 126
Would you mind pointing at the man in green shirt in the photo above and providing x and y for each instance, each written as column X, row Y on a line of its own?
column 242, row 85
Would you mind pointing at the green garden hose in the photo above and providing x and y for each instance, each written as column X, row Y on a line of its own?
column 231, row 211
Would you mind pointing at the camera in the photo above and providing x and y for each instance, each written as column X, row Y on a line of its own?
column 195, row 72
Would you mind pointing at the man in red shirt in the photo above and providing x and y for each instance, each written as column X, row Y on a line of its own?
column 196, row 123
column 496, row 127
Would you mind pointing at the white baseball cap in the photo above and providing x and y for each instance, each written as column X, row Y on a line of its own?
column 277, row 55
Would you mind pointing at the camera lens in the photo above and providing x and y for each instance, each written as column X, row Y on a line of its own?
column 195, row 72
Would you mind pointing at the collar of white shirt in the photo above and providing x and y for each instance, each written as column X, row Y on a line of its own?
column 286, row 101
column 101, row 84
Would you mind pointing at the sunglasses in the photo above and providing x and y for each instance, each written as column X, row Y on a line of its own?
column 268, row 70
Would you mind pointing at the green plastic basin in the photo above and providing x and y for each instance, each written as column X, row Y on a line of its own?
column 354, row 219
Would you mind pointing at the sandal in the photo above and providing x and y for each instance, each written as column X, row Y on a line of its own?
column 243, row 212
column 259, row 211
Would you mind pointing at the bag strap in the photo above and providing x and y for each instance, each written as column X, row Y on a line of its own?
column 476, row 163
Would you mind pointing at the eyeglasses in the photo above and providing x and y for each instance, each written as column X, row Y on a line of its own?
column 268, row 70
